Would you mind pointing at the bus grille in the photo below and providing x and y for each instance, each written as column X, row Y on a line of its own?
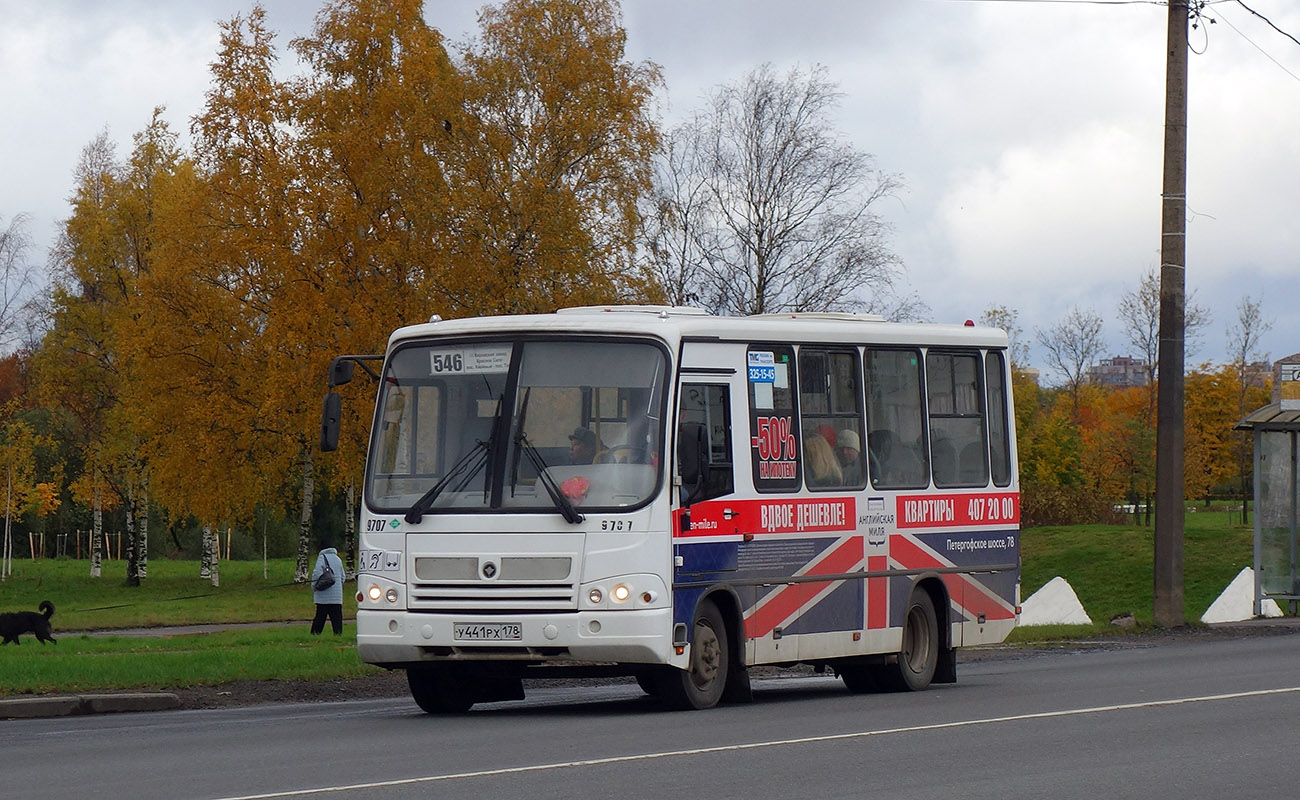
column 493, row 597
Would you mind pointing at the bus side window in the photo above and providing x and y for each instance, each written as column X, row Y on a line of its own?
column 704, row 442
column 830, row 406
column 775, row 446
column 895, row 420
column 999, row 440
column 958, row 444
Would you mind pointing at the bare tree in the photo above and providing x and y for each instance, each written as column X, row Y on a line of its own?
column 760, row 207
column 676, row 226
column 1008, row 319
column 1244, row 336
column 1139, row 313
column 16, row 277
column 1071, row 346
column 1243, row 348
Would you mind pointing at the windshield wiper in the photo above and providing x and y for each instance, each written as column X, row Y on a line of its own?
column 544, row 477
column 481, row 449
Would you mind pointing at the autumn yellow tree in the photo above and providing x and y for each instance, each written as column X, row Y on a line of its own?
column 23, row 490
column 1120, row 447
column 559, row 140
column 224, row 226
column 203, row 294
column 1212, row 398
column 372, row 117
column 101, row 251
column 503, row 182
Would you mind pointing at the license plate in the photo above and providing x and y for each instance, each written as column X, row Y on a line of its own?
column 491, row 632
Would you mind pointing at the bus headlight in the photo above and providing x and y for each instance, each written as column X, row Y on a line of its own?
column 624, row 592
column 391, row 595
column 374, row 593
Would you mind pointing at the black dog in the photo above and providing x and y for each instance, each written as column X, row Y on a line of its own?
column 15, row 623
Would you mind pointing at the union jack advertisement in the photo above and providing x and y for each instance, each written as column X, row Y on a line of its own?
column 845, row 563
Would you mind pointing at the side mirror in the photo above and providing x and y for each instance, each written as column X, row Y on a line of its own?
column 341, row 370
column 329, row 421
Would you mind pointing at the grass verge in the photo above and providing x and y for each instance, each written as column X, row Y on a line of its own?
column 172, row 594
column 98, row 663
column 1109, row 567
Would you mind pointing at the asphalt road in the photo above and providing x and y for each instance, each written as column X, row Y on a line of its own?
column 1190, row 719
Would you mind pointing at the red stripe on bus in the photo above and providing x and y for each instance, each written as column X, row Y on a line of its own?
column 877, row 594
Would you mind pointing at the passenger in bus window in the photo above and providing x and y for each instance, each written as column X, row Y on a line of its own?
column 582, row 446
column 894, row 464
column 943, row 459
column 819, row 462
column 848, row 450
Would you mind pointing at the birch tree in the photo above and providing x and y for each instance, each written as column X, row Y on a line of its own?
column 77, row 367
column 226, row 223
column 558, row 140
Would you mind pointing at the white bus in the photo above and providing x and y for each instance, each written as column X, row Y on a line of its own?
column 675, row 496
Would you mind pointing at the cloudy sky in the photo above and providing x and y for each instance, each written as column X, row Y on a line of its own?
column 1028, row 135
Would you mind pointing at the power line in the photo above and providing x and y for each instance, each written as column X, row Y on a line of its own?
column 1195, row 9
column 1251, row 42
column 1078, row 2
column 1269, row 22
column 1091, row 2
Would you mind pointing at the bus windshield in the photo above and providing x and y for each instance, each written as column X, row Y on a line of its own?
column 522, row 425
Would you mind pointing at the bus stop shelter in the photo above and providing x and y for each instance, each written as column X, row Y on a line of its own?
column 1276, row 429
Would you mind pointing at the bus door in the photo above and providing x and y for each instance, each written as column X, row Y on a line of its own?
column 705, row 529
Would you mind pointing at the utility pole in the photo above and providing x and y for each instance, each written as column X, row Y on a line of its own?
column 1168, row 606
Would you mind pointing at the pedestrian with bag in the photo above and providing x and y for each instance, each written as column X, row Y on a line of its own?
column 327, row 590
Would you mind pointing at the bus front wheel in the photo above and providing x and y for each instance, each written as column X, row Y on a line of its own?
column 702, row 684
column 439, row 691
column 919, row 657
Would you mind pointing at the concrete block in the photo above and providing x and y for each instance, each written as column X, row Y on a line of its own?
column 128, row 701
column 31, row 707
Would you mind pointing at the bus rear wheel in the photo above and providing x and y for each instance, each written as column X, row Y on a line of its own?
column 919, row 656
column 702, row 684
column 439, row 690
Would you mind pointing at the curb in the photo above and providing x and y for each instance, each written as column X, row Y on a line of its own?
column 74, row 705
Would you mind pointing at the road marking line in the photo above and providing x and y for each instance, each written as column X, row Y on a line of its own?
column 728, row 748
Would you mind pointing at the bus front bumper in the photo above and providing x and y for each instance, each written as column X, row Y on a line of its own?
column 397, row 638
